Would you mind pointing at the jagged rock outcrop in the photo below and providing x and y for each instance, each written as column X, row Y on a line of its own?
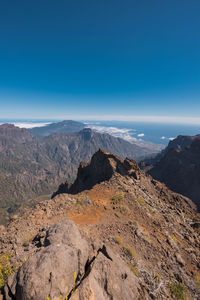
column 61, row 268
column 101, row 168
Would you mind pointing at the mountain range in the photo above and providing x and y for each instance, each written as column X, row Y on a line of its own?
column 32, row 165
column 66, row 126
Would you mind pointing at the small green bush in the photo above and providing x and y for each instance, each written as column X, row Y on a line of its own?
column 117, row 199
column 174, row 238
column 6, row 268
column 79, row 201
column 129, row 251
column 134, row 269
column 118, row 240
column 139, row 200
column 178, row 290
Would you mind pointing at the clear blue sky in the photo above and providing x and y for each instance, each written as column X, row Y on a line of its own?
column 99, row 57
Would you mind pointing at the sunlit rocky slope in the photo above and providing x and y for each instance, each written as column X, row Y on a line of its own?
column 132, row 238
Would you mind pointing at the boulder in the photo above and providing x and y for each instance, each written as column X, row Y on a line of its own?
column 61, row 269
column 109, row 278
column 52, row 271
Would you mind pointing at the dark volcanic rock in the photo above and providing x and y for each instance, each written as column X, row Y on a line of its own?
column 101, row 168
column 179, row 167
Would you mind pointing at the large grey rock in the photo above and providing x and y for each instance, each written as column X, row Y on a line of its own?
column 109, row 278
column 51, row 271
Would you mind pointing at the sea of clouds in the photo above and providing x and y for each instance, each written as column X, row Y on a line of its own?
column 27, row 125
column 129, row 135
column 124, row 133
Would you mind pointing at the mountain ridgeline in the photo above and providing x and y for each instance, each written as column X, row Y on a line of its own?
column 31, row 166
column 178, row 166
column 67, row 126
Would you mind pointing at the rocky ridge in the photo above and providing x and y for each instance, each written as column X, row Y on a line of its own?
column 179, row 167
column 136, row 239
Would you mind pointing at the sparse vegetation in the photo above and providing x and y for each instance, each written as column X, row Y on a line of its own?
column 174, row 238
column 129, row 251
column 123, row 209
column 178, row 290
column 157, row 277
column 197, row 280
column 147, row 239
column 118, row 240
column 139, row 200
column 134, row 223
column 27, row 238
column 117, row 214
column 133, row 267
column 117, row 199
column 6, row 268
column 79, row 201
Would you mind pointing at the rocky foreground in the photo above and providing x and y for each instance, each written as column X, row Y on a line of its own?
column 115, row 233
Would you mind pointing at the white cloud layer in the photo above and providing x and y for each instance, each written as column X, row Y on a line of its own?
column 117, row 132
column 30, row 125
column 140, row 135
column 126, row 134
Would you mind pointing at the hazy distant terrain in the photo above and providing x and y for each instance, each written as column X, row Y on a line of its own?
column 66, row 126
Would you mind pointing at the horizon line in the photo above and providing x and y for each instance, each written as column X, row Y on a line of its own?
column 123, row 118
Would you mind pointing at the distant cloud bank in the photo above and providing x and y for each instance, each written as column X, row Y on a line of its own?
column 166, row 138
column 123, row 133
column 126, row 134
column 28, row 125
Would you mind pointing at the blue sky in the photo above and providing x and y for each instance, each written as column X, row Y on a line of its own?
column 100, row 59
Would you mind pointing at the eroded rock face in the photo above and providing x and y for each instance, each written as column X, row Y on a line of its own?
column 100, row 168
column 109, row 279
column 62, row 267
column 179, row 167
